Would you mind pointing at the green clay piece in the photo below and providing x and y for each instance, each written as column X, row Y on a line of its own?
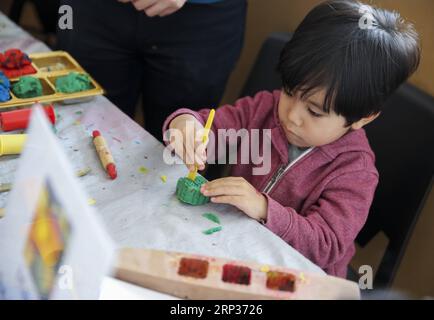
column 212, row 217
column 73, row 82
column 212, row 230
column 27, row 87
column 143, row 170
column 188, row 191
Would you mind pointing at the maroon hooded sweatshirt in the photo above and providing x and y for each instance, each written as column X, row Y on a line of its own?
column 320, row 201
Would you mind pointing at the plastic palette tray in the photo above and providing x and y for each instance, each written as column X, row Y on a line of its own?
column 47, row 71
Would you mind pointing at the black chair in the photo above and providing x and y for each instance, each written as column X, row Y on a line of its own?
column 263, row 75
column 403, row 141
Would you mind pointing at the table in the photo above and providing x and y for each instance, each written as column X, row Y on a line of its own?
column 139, row 208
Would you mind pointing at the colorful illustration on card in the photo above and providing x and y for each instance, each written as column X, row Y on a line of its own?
column 47, row 241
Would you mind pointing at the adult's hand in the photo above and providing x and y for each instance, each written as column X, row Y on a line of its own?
column 154, row 8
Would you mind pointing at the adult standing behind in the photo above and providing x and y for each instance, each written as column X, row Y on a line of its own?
column 175, row 53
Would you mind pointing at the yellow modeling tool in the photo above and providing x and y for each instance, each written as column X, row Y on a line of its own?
column 192, row 174
column 12, row 143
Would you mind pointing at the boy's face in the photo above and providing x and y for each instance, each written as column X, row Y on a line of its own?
column 306, row 124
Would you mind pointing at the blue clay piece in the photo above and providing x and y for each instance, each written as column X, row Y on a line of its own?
column 4, row 94
column 5, row 85
column 4, row 81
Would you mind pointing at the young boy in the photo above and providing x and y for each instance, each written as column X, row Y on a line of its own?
column 344, row 60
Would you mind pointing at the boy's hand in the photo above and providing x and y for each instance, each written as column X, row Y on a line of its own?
column 239, row 193
column 154, row 8
column 186, row 138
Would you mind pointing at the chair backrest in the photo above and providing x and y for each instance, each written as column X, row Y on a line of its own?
column 403, row 141
column 263, row 75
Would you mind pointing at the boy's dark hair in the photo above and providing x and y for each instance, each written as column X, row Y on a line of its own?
column 358, row 53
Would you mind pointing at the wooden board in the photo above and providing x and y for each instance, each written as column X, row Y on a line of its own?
column 184, row 275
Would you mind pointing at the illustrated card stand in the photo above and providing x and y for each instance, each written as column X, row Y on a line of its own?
column 52, row 244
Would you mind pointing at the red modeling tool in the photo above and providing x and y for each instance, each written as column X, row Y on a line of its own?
column 104, row 154
column 19, row 119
